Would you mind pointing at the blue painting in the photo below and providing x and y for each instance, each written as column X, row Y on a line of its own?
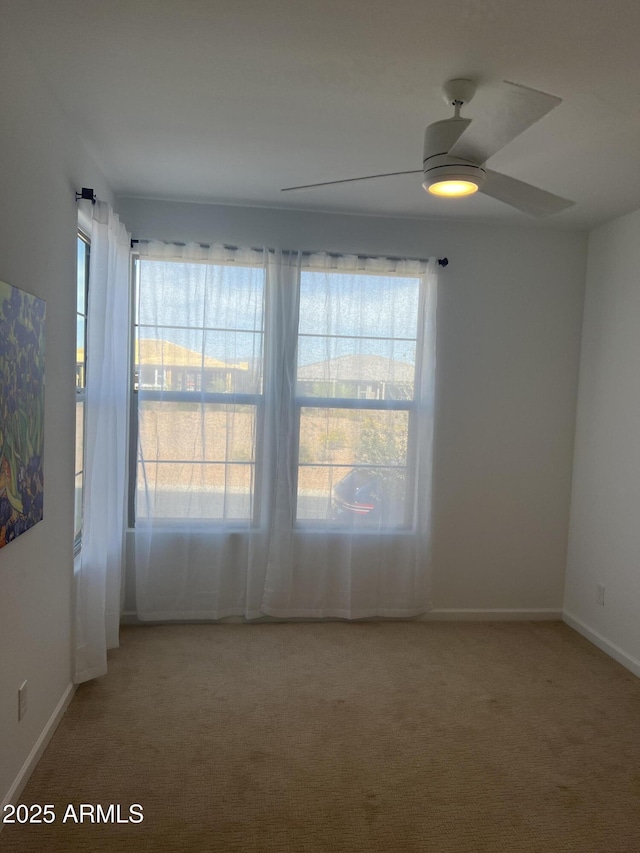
column 22, row 319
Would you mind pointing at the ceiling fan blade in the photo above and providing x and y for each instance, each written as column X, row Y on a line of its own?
column 350, row 180
column 519, row 108
column 524, row 197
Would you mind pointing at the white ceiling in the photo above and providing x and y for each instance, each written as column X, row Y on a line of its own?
column 230, row 100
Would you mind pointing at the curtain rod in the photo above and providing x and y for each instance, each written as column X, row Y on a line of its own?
column 442, row 261
column 87, row 194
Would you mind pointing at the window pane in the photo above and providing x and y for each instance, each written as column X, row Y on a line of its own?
column 195, row 432
column 356, row 368
column 357, row 336
column 164, row 364
column 352, row 465
column 195, row 491
column 192, row 360
column 81, row 276
column 200, row 327
column 234, row 298
column 171, row 294
column 356, row 304
column 78, row 507
column 200, row 295
column 358, row 496
column 353, row 436
column 79, row 435
column 81, row 356
column 234, row 362
column 196, row 460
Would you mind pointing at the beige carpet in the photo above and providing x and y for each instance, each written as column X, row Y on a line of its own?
column 348, row 737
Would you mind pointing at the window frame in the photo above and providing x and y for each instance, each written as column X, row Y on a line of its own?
column 202, row 398
column 356, row 403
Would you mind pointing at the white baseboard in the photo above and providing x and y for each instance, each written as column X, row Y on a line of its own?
column 602, row 643
column 437, row 615
column 36, row 753
column 445, row 614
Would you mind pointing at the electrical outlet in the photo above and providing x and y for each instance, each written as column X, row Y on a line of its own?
column 600, row 588
column 22, row 700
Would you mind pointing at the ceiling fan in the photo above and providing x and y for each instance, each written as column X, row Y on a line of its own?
column 457, row 149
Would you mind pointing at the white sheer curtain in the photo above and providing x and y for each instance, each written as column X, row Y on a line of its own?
column 363, row 427
column 98, row 572
column 200, row 371
column 285, row 420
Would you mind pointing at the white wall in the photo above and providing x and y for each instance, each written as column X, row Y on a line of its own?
column 509, row 320
column 41, row 166
column 604, row 543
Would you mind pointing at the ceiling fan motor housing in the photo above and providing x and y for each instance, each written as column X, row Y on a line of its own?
column 445, row 168
column 438, row 164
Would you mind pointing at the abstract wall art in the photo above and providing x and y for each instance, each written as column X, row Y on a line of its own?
column 22, row 352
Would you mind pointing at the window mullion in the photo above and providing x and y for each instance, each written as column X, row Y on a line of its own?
column 355, row 403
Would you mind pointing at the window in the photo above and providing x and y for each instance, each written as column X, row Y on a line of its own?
column 357, row 340
column 82, row 291
column 199, row 373
column 202, row 379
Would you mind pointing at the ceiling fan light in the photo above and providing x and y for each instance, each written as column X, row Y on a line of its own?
column 448, row 179
column 453, row 188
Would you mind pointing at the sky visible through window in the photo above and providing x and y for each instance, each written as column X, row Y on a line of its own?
column 193, row 304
